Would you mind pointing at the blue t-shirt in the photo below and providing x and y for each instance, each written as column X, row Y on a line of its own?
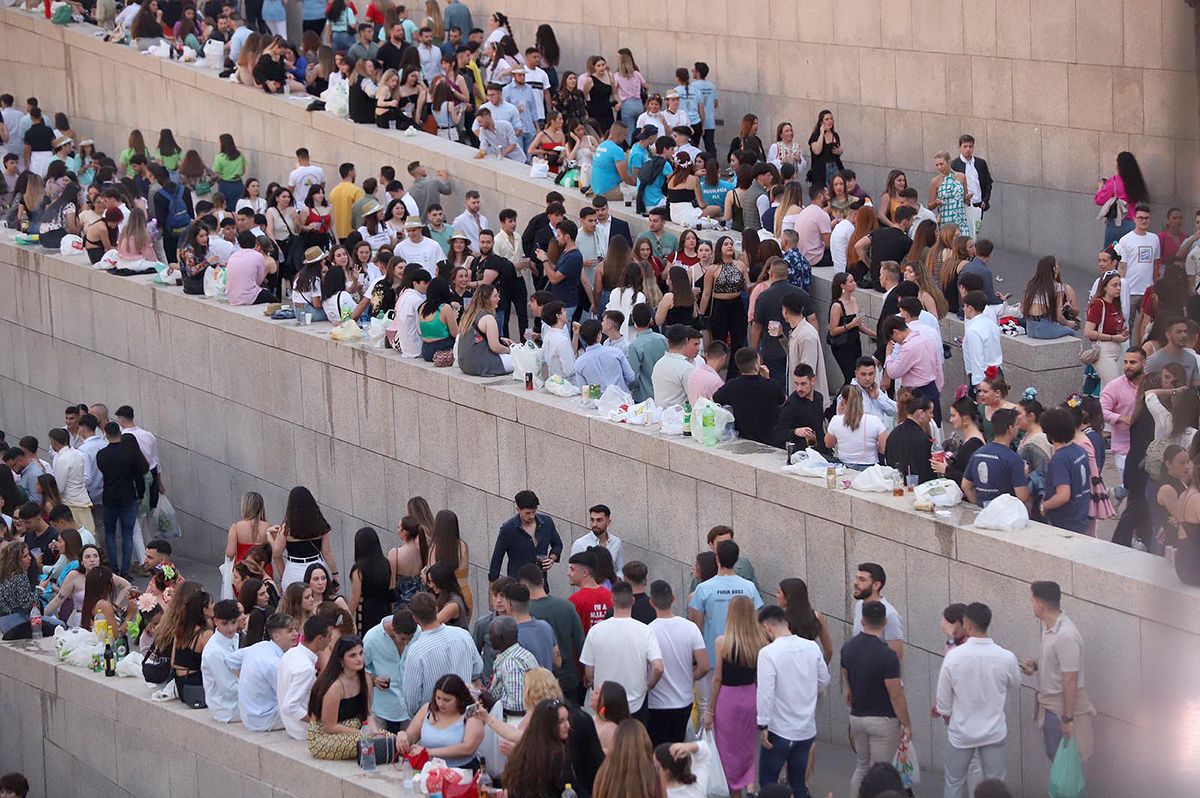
column 708, row 96
column 312, row 9
column 689, row 101
column 638, row 155
column 653, row 196
column 1069, row 466
column 570, row 264
column 994, row 470
column 715, row 195
column 712, row 597
column 605, row 176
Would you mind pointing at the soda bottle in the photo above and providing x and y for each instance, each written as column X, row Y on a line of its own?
column 100, row 627
column 110, row 661
column 35, row 621
column 569, row 793
column 709, row 420
column 366, row 750
column 687, row 419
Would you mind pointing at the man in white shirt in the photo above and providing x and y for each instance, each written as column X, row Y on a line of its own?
column 972, row 689
column 304, row 177
column 910, row 198
column 1140, row 249
column 220, row 681
column 70, row 474
column 839, row 241
column 417, row 248
column 429, row 55
column 471, row 221
column 497, row 138
column 258, row 666
column 671, row 372
column 623, row 650
column 981, row 339
column 297, row 673
column 685, row 661
column 875, row 402
column 869, row 580
column 557, row 353
column 599, row 518
column 408, row 333
column 438, row 649
column 791, row 672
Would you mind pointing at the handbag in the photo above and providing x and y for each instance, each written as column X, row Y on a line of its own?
column 156, row 668
column 1090, row 354
column 443, row 359
column 842, row 338
column 192, row 695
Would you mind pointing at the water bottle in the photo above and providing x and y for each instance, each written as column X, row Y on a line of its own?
column 406, row 778
column 486, row 786
column 35, row 621
column 568, row 792
column 366, row 750
column 709, row 421
column 687, row 419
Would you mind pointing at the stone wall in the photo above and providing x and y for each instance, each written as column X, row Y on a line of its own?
column 242, row 403
column 1052, row 91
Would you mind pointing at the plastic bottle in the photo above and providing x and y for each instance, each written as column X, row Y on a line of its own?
column 568, row 792
column 366, row 750
column 687, row 419
column 709, row 420
column 406, row 778
column 110, row 660
column 35, row 621
column 486, row 786
column 100, row 628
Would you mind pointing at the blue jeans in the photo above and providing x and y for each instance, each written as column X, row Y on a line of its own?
column 1046, row 329
column 126, row 515
column 231, row 190
column 630, row 111
column 1113, row 230
column 1051, row 734
column 341, row 40
column 794, row 754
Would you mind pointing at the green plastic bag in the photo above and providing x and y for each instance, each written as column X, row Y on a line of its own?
column 1066, row 774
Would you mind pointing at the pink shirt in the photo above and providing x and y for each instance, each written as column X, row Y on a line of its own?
column 1114, row 186
column 628, row 88
column 812, row 224
column 1118, row 399
column 703, row 381
column 243, row 275
column 916, row 362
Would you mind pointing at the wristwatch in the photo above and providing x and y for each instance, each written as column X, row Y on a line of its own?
column 762, row 727
column 1067, row 719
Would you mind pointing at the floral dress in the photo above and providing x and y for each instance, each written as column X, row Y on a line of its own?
column 951, row 194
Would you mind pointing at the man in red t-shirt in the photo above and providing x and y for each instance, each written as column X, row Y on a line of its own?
column 591, row 601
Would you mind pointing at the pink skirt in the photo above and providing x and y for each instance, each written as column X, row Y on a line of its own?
column 735, row 725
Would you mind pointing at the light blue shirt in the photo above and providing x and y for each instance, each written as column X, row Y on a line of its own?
column 505, row 111
column 220, row 682
column 708, row 96
column 258, row 704
column 446, row 649
column 689, row 100
column 95, row 481
column 605, row 176
column 653, row 195
column 239, row 38
column 604, row 366
column 516, row 93
column 312, row 9
column 383, row 660
column 638, row 155
column 28, row 478
column 712, row 598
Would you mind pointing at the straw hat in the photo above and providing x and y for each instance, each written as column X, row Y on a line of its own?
column 313, row 255
column 372, row 207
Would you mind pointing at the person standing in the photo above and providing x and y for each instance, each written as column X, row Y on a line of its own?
column 914, row 360
column 1118, row 400
column 70, row 467
column 592, row 601
column 754, row 398
column 438, row 650
column 1140, row 249
column 982, row 356
column 1063, row 708
column 122, row 467
column 972, row 689
column 995, row 469
column 527, row 537
column 709, row 606
column 567, row 626
column 791, row 674
column 564, row 273
column 869, row 580
column 599, row 519
column 979, row 183
column 383, row 656
column 685, row 661
column 879, row 718
column 623, row 650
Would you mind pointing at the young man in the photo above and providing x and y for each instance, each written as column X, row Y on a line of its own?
column 247, row 272
column 801, row 419
column 979, row 265
column 879, row 718
column 1175, row 351
column 909, row 446
column 869, row 580
column 121, row 469
column 636, row 573
column 663, row 242
column 558, row 354
column 592, row 601
column 498, row 605
column 623, row 650
column 342, row 198
column 1065, row 504
column 804, row 344
column 436, row 227
column 599, row 520
column 497, row 137
column 710, row 601
column 705, row 379
column 671, row 372
column 566, row 624
column 910, row 198
column 610, row 328
column 258, row 669
column 599, row 364
column 813, row 228
column 1140, row 249
column 70, row 468
column 438, row 650
column 685, row 661
column 1063, row 703
column 564, row 274
column 791, row 674
column 981, row 340
column 609, row 168
column 768, row 307
column 646, row 349
column 383, row 652
column 972, row 689
column 1117, row 401
column 221, row 682
column 424, row 189
column 527, row 537
column 914, row 360
column 296, row 675
column 513, row 661
column 419, row 250
column 995, row 469
column 535, row 635
column 754, row 397
column 471, row 220
column 979, row 183
column 708, row 102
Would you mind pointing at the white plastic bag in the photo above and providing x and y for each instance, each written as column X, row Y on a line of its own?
column 1006, row 513
column 214, row 54
column 539, row 168
column 337, row 99
column 214, row 283
column 160, row 49
column 717, row 786
column 108, row 260
column 724, row 420
column 81, row 657
column 942, row 492
column 377, row 331
column 907, row 765
column 130, row 665
column 526, row 358
column 165, row 519
column 347, row 331
column 560, row 387
column 876, row 479
column 188, row 55
column 226, row 571
column 810, row 463
column 672, row 420
column 70, row 245
column 611, row 400
column 68, row 640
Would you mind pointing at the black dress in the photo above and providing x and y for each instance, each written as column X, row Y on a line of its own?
column 847, row 354
column 599, row 105
column 375, row 603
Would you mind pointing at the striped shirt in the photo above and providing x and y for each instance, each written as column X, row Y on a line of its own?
column 508, row 679
column 436, row 652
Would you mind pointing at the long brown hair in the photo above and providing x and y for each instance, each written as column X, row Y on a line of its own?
column 865, row 223
column 97, row 586
column 628, row 770
column 10, row 558
column 332, row 671
column 945, row 240
column 446, row 538
column 801, row 617
column 681, row 287
column 540, row 758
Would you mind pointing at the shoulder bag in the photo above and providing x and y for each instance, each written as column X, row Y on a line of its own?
column 1088, row 355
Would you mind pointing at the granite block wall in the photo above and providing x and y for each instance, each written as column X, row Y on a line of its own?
column 366, row 430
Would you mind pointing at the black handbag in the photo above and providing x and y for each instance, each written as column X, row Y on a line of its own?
column 842, row 338
column 156, row 667
column 386, row 751
column 193, row 695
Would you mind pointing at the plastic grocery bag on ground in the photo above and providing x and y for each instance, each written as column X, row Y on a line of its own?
column 1066, row 774
column 876, row 479
column 906, row 764
column 611, row 400
column 347, row 331
column 560, row 387
column 166, row 522
column 214, row 282
column 942, row 492
column 526, row 357
column 717, row 786
column 1005, row 513
column 672, row 420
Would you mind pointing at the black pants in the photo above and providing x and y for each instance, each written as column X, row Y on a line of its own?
column 254, row 18
column 668, row 725
column 931, row 390
column 727, row 320
column 1134, row 519
column 514, row 303
column 710, row 140
column 403, row 121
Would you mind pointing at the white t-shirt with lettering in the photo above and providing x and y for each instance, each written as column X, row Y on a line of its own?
column 1139, row 251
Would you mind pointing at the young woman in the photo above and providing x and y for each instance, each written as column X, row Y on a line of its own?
column 570, row 101
column 340, row 703
column 747, row 139
column 713, row 189
column 845, row 325
column 597, row 88
column 803, row 620
column 924, row 239
column 1125, row 187
column 372, row 584
column 255, row 599
column 859, row 438
column 540, row 765
column 790, row 203
column 890, row 200
column 551, row 141
column 101, row 593
column 136, row 145
column 651, row 267
column 387, row 101
column 952, row 265
column 324, row 588
column 250, row 531
column 16, row 594
column 48, row 495
column 865, row 222
column 1166, row 299
column 785, row 148
column 191, row 632
column 482, row 351
column 628, row 770
column 730, row 713
column 628, row 85
column 444, row 727
column 195, row 176
column 71, row 546
column 194, row 259
column 437, row 320
column 342, row 24
column 964, row 420
column 306, row 290
column 686, row 254
column 1166, row 508
column 826, row 147
column 678, row 305
column 992, row 395
column 448, row 547
column 134, row 243
column 1105, row 325
column 725, row 282
column 230, row 168
column 948, row 193
column 73, row 587
column 336, row 299
column 1045, row 303
column 302, row 539
column 413, row 97
column 375, row 234
column 929, row 292
column 298, row 603
column 408, row 561
column 611, row 708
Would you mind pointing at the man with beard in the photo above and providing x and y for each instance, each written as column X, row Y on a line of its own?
column 503, row 274
column 868, row 584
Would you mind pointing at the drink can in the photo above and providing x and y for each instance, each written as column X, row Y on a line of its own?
column 791, row 450
column 529, row 380
column 96, row 664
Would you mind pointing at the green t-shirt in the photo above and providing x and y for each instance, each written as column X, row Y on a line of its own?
column 170, row 162
column 227, row 169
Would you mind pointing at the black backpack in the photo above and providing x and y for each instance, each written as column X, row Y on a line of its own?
column 647, row 175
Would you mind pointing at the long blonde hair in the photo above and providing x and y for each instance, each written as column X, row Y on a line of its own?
column 793, row 195
column 951, row 265
column 252, row 507
column 434, row 20
column 744, row 638
column 478, row 307
column 136, row 231
column 852, row 406
column 925, row 283
column 628, row 770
